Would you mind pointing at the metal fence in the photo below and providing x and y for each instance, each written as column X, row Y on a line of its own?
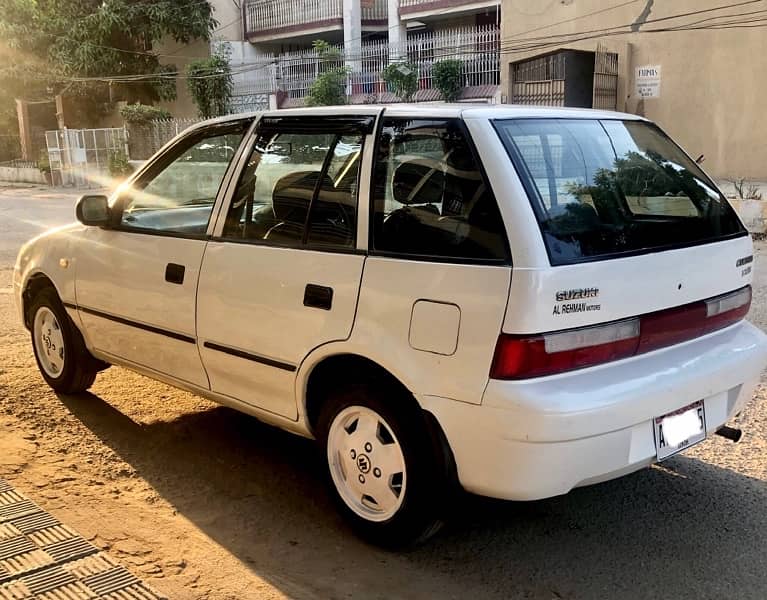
column 80, row 157
column 18, row 163
column 146, row 139
column 478, row 49
column 250, row 96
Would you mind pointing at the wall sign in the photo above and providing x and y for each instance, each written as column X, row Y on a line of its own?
column 647, row 81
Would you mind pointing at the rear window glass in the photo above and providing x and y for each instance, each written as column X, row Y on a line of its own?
column 605, row 188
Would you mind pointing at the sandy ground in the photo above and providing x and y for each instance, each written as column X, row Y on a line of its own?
column 205, row 503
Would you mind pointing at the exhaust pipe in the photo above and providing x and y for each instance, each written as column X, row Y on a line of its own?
column 731, row 433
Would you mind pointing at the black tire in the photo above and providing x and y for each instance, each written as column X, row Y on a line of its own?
column 427, row 493
column 79, row 367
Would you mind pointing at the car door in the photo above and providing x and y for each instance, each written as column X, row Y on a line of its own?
column 282, row 273
column 136, row 280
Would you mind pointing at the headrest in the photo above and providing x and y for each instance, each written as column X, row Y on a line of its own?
column 292, row 194
column 421, row 182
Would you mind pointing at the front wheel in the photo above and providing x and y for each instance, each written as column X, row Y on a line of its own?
column 383, row 470
column 63, row 360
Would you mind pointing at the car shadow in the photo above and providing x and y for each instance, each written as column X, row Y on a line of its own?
column 688, row 530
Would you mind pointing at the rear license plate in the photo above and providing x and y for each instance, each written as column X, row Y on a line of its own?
column 680, row 429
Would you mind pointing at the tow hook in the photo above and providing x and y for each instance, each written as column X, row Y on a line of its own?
column 731, row 433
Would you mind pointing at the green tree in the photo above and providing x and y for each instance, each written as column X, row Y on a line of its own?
column 329, row 88
column 141, row 114
column 100, row 50
column 402, row 79
column 209, row 81
column 448, row 78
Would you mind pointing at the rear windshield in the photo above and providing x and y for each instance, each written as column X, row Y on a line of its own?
column 607, row 188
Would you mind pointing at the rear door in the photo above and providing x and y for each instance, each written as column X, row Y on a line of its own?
column 629, row 224
column 436, row 281
column 281, row 276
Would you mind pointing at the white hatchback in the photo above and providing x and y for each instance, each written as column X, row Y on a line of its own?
column 516, row 300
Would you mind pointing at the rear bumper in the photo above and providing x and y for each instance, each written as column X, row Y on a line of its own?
column 542, row 437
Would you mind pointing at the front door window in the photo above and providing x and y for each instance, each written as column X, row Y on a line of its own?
column 177, row 196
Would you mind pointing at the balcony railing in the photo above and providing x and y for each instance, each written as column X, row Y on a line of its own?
column 264, row 16
column 271, row 17
column 478, row 49
column 418, row 6
column 375, row 14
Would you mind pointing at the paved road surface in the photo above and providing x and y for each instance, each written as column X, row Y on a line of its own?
column 205, row 503
column 27, row 212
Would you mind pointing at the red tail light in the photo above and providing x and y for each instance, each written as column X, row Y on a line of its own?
column 521, row 357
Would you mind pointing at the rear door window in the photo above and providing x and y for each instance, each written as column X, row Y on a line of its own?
column 608, row 188
column 298, row 189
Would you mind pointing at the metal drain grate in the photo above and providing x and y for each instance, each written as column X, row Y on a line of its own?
column 40, row 557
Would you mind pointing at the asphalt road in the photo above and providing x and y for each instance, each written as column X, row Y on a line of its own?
column 203, row 502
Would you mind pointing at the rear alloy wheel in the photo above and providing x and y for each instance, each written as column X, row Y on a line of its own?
column 366, row 463
column 385, row 474
column 63, row 360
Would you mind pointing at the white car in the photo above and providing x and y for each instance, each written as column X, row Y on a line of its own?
column 516, row 300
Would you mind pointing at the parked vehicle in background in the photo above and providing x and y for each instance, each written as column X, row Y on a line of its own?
column 515, row 300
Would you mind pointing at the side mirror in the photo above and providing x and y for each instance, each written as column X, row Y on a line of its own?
column 93, row 210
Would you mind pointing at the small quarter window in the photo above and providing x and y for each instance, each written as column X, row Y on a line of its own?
column 430, row 197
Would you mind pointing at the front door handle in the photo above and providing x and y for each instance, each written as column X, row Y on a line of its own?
column 318, row 296
column 174, row 273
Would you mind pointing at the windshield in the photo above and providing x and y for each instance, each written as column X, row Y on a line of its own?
column 606, row 188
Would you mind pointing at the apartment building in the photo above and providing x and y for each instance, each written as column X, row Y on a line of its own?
column 274, row 62
column 690, row 65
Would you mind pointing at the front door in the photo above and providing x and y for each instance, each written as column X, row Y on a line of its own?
column 136, row 281
column 282, row 274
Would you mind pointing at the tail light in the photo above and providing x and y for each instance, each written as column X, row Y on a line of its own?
column 521, row 357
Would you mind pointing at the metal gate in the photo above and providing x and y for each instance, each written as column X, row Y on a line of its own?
column 567, row 78
column 539, row 81
column 605, row 79
column 80, row 157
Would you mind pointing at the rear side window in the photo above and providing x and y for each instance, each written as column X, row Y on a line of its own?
column 607, row 188
column 430, row 196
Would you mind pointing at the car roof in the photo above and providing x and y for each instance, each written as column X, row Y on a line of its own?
column 438, row 110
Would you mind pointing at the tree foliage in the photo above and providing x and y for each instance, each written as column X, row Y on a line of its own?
column 209, row 81
column 402, row 79
column 54, row 42
column 140, row 114
column 448, row 78
column 329, row 88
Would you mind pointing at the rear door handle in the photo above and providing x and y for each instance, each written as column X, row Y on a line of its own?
column 318, row 296
column 174, row 273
